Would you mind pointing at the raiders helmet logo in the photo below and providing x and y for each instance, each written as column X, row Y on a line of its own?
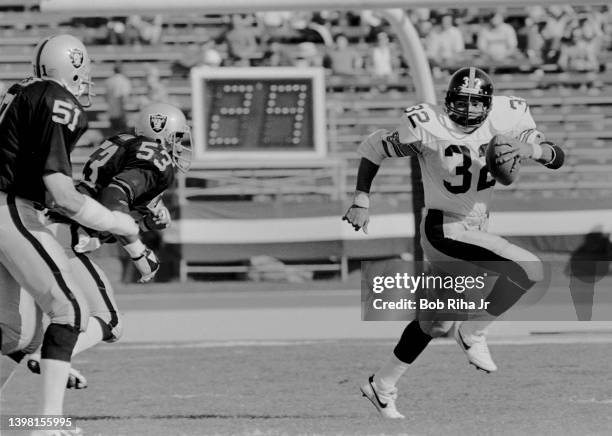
column 157, row 122
column 76, row 57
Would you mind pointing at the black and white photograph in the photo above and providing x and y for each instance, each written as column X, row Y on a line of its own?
column 283, row 217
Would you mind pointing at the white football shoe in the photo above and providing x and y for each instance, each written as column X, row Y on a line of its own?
column 478, row 353
column 76, row 380
column 384, row 402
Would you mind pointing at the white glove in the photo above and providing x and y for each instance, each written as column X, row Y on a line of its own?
column 86, row 243
column 147, row 265
column 158, row 219
column 144, row 259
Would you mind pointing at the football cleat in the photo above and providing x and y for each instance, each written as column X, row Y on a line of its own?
column 384, row 402
column 76, row 380
column 478, row 353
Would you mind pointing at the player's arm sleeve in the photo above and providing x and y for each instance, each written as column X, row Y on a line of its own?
column 53, row 139
column 384, row 144
column 365, row 175
column 126, row 187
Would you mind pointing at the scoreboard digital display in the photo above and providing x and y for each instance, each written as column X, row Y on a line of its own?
column 258, row 112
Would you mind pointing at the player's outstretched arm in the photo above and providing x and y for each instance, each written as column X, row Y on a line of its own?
column 86, row 210
column 358, row 214
column 378, row 146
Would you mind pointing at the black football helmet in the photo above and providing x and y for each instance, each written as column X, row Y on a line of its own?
column 468, row 85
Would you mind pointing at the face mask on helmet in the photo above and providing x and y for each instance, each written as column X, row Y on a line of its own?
column 64, row 59
column 469, row 97
column 179, row 143
column 468, row 110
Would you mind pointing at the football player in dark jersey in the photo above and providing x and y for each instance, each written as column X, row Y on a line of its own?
column 127, row 173
column 41, row 120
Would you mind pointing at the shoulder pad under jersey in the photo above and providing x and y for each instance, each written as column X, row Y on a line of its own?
column 426, row 121
column 508, row 112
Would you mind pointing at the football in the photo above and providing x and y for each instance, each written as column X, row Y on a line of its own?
column 508, row 172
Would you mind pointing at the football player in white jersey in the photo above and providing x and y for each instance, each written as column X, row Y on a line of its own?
column 450, row 142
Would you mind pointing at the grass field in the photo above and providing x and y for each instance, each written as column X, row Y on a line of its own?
column 311, row 387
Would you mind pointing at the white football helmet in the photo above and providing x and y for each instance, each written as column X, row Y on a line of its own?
column 167, row 124
column 64, row 58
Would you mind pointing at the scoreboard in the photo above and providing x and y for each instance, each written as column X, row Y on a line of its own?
column 258, row 113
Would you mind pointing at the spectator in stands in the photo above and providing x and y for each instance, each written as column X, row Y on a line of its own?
column 274, row 19
column 497, row 41
column 205, row 55
column 343, row 59
column 118, row 91
column 534, row 42
column 241, row 40
column 604, row 21
column 210, row 56
column 557, row 21
column 307, row 55
column 140, row 31
column 579, row 52
column 373, row 23
column 116, row 31
column 132, row 30
column 150, row 32
column 419, row 16
column 275, row 24
column 381, row 58
column 446, row 43
column 277, row 56
column 156, row 89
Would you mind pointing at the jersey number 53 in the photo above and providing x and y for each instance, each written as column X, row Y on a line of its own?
column 151, row 151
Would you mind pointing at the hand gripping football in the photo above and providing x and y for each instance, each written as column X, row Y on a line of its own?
column 507, row 172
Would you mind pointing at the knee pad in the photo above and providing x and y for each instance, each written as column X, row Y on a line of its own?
column 59, row 341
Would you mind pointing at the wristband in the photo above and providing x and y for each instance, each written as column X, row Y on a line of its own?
column 361, row 199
